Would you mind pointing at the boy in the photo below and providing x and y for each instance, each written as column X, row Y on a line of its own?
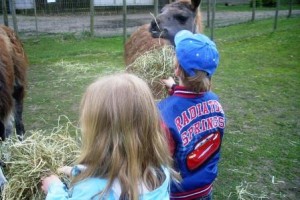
column 194, row 117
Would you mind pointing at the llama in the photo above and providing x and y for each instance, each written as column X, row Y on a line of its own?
column 13, row 70
column 176, row 16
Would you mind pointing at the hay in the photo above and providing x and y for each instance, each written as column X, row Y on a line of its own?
column 38, row 155
column 244, row 191
column 153, row 66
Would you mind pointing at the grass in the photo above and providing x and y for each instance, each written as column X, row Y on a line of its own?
column 61, row 68
column 284, row 5
column 258, row 82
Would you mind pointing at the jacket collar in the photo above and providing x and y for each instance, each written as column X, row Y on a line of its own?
column 182, row 91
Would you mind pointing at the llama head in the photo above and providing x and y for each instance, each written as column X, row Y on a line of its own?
column 179, row 15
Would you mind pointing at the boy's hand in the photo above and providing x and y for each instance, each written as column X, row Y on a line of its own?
column 168, row 82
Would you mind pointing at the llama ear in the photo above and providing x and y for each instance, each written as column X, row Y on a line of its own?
column 195, row 4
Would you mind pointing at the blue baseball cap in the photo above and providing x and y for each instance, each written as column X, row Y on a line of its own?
column 196, row 52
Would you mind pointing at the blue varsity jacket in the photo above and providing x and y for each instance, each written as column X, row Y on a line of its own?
column 196, row 123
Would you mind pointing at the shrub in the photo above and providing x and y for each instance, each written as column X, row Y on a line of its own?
column 264, row 3
column 258, row 3
column 269, row 3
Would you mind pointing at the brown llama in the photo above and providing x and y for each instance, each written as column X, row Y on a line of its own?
column 13, row 70
column 176, row 16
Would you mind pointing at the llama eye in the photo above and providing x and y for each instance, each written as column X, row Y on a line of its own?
column 182, row 19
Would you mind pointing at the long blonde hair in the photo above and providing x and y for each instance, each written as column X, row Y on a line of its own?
column 122, row 135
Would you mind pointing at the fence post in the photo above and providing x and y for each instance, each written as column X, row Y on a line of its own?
column 155, row 8
column 92, row 11
column 276, row 14
column 253, row 10
column 290, row 8
column 124, row 22
column 212, row 26
column 208, row 13
column 36, row 24
column 14, row 17
column 4, row 10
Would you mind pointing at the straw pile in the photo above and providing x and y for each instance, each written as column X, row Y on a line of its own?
column 38, row 155
column 153, row 66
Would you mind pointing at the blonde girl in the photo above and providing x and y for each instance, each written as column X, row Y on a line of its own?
column 124, row 151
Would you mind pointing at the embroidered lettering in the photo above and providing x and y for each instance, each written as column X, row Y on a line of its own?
column 211, row 104
column 209, row 122
column 197, row 127
column 184, row 138
column 203, row 125
column 185, row 118
column 178, row 123
column 192, row 112
column 199, row 109
column 205, row 108
column 221, row 122
column 215, row 122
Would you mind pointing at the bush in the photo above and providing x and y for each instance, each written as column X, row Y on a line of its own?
column 264, row 3
column 258, row 3
column 269, row 3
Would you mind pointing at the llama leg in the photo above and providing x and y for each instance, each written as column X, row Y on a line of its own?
column 6, row 128
column 18, row 119
column 18, row 111
column 6, row 103
column 9, row 126
column 2, row 131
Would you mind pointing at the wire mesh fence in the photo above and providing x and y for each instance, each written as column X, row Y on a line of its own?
column 74, row 16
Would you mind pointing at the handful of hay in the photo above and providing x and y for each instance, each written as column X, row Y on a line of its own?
column 153, row 66
column 38, row 155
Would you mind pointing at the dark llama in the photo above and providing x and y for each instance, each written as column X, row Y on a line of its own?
column 176, row 16
column 13, row 71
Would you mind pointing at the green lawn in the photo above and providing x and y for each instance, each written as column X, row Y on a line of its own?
column 258, row 81
column 60, row 70
column 284, row 5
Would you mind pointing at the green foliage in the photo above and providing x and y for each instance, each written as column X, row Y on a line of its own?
column 269, row 3
column 264, row 3
column 258, row 3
